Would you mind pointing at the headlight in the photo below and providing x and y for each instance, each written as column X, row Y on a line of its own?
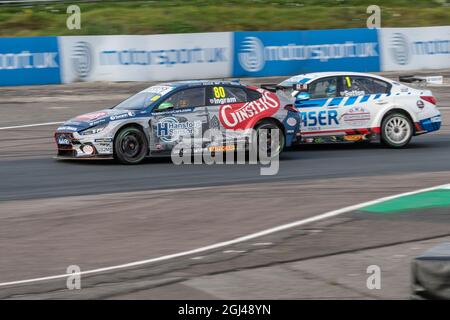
column 94, row 130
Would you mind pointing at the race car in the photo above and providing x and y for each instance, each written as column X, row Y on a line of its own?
column 339, row 107
column 153, row 121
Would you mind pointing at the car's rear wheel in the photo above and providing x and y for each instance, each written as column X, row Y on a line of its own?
column 130, row 145
column 270, row 147
column 396, row 130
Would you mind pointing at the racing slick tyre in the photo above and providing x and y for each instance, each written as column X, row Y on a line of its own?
column 396, row 130
column 130, row 146
column 270, row 148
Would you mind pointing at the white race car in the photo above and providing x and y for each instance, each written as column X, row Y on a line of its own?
column 353, row 107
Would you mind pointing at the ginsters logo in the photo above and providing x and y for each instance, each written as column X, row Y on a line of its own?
column 244, row 115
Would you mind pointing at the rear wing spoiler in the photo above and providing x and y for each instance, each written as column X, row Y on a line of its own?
column 273, row 87
column 423, row 80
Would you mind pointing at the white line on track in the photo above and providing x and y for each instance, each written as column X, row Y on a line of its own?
column 319, row 217
column 31, row 125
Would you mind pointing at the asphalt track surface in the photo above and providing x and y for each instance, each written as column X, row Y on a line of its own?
column 99, row 213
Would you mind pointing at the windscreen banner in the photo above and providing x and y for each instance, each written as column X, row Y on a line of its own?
column 283, row 53
column 146, row 57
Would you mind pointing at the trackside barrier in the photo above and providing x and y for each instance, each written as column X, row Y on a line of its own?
column 26, row 61
column 47, row 60
column 279, row 53
column 415, row 48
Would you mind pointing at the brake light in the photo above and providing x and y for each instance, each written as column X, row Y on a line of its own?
column 429, row 99
column 291, row 107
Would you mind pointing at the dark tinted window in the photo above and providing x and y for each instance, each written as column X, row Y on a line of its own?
column 218, row 95
column 252, row 95
column 323, row 88
column 187, row 98
column 360, row 86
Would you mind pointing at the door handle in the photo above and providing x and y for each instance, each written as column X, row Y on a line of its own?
column 381, row 102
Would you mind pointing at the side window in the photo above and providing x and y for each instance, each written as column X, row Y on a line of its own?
column 218, row 95
column 252, row 95
column 186, row 98
column 323, row 88
column 360, row 86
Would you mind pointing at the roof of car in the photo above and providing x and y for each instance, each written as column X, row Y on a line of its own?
column 308, row 77
column 191, row 83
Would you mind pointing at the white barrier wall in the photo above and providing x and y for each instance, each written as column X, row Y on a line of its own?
column 414, row 48
column 147, row 57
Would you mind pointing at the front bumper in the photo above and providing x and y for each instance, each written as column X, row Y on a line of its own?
column 71, row 145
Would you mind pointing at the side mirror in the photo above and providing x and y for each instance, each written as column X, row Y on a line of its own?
column 165, row 106
column 302, row 96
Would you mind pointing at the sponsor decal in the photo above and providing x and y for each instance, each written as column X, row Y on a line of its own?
column 436, row 119
column 214, row 123
column 420, row 104
column 63, row 140
column 222, row 100
column 104, row 140
column 320, row 118
column 356, row 116
column 122, row 116
column 160, row 90
column 176, row 111
column 352, row 93
column 67, row 128
column 353, row 137
column 91, row 116
column 169, row 129
column 222, row 148
column 242, row 115
column 97, row 122
column 87, row 149
column 291, row 121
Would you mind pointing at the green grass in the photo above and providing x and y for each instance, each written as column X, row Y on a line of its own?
column 176, row 16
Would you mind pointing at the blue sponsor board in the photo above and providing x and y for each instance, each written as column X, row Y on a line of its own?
column 26, row 61
column 293, row 52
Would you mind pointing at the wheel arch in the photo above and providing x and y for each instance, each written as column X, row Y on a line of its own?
column 275, row 120
column 397, row 109
column 130, row 125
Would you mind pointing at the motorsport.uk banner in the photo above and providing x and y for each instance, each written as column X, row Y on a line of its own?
column 48, row 60
column 415, row 48
column 283, row 53
column 29, row 60
column 146, row 57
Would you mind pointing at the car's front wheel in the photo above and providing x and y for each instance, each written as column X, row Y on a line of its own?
column 130, row 145
column 396, row 130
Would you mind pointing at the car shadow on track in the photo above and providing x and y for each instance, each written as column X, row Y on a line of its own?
column 293, row 153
